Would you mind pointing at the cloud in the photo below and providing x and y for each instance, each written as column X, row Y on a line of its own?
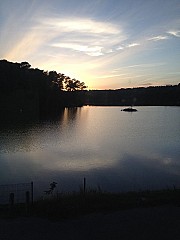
column 158, row 38
column 124, row 46
column 120, row 48
column 174, row 33
column 147, row 65
column 147, row 84
column 133, row 45
column 88, row 36
column 111, row 76
column 91, row 51
column 142, row 66
column 83, row 25
column 29, row 43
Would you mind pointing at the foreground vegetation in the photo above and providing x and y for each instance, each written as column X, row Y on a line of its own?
column 70, row 205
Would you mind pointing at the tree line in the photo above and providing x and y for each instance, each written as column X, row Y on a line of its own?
column 143, row 96
column 30, row 93
column 21, row 75
column 33, row 92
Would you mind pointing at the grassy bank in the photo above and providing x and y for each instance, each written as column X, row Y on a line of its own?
column 69, row 205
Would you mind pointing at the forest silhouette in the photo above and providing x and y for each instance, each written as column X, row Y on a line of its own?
column 28, row 93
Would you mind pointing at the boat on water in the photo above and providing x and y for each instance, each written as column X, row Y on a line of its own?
column 129, row 109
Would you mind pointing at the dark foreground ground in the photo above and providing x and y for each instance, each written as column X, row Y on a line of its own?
column 150, row 223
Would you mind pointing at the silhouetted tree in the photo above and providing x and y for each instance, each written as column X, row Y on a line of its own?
column 56, row 79
column 51, row 189
column 23, row 87
column 25, row 65
column 74, row 85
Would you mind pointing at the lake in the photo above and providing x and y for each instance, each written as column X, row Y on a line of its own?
column 116, row 150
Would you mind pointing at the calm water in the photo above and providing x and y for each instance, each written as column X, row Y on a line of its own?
column 118, row 151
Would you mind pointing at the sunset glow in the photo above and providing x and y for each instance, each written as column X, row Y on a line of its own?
column 106, row 44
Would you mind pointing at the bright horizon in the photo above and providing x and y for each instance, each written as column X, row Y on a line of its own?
column 106, row 44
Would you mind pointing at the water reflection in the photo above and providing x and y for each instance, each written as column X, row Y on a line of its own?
column 114, row 150
column 70, row 114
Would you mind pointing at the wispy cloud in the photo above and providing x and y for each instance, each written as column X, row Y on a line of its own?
column 91, row 51
column 158, row 38
column 133, row 45
column 26, row 46
column 174, row 33
column 142, row 65
column 111, row 76
column 87, row 36
column 124, row 46
column 120, row 48
column 147, row 84
column 91, row 37
column 83, row 25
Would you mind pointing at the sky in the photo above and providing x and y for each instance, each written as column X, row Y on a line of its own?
column 108, row 44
